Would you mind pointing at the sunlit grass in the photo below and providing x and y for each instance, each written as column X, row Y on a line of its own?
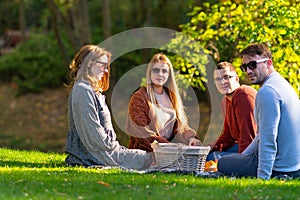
column 37, row 175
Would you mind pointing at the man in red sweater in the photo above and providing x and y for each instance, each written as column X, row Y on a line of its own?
column 239, row 128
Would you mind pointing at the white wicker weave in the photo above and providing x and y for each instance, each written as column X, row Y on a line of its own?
column 180, row 157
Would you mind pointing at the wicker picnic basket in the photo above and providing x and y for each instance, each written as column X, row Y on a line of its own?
column 180, row 157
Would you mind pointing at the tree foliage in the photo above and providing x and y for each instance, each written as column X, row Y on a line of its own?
column 224, row 29
column 34, row 65
column 67, row 25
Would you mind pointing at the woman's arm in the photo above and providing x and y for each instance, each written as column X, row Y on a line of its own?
column 140, row 123
column 92, row 134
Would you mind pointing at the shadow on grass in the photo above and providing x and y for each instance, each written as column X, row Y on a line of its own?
column 30, row 164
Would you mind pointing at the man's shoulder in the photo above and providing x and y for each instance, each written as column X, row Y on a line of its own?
column 245, row 89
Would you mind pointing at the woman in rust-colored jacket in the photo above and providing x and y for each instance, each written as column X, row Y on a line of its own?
column 156, row 111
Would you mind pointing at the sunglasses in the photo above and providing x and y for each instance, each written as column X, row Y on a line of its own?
column 252, row 64
column 157, row 70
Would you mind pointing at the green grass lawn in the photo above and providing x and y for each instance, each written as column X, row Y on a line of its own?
column 37, row 175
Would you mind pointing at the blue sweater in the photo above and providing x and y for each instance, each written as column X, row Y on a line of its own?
column 277, row 113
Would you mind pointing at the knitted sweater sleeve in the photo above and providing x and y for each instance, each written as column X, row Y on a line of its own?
column 140, row 124
column 244, row 109
column 92, row 134
column 239, row 124
column 268, row 116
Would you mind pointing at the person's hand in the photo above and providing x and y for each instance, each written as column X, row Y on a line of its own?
column 195, row 142
column 212, row 145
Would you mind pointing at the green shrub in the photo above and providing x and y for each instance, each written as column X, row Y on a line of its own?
column 34, row 65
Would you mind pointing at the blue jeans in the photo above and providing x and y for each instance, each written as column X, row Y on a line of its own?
column 216, row 155
column 239, row 165
column 245, row 165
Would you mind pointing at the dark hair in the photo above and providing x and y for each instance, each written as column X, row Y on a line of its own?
column 257, row 49
column 223, row 65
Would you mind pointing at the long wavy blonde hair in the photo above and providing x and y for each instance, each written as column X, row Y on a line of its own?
column 83, row 61
column 170, row 87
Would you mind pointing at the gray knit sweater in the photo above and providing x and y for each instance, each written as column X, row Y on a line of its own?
column 91, row 139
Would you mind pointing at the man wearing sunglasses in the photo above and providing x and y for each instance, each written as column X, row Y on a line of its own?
column 275, row 151
column 239, row 128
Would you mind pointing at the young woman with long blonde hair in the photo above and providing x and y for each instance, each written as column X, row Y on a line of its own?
column 156, row 111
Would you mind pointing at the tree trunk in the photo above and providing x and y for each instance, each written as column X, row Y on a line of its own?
column 61, row 46
column 106, row 19
column 75, row 42
column 147, row 13
column 22, row 20
column 147, row 20
column 106, row 25
column 82, row 22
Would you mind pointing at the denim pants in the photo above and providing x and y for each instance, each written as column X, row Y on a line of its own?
column 245, row 165
column 239, row 165
column 216, row 155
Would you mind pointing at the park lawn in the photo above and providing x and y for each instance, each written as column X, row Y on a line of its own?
column 38, row 175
